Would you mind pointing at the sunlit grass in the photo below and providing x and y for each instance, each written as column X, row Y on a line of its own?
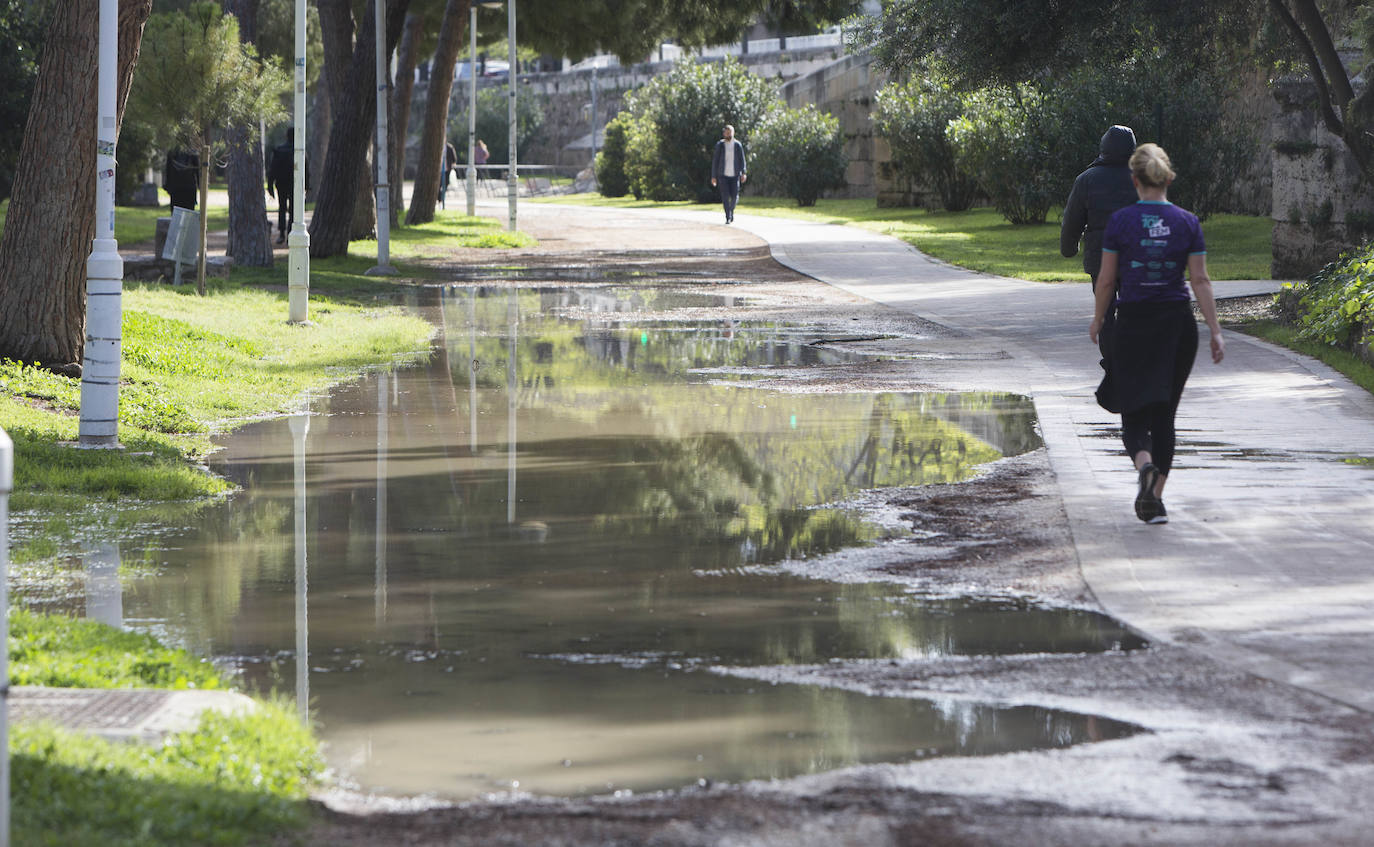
column 980, row 239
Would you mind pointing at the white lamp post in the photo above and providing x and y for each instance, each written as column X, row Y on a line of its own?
column 99, row 426
column 472, row 110
column 298, row 243
column 383, row 266
column 512, row 177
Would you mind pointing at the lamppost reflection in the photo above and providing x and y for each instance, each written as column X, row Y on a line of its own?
column 512, row 320
column 472, row 369
column 383, row 437
column 300, row 425
column 104, row 593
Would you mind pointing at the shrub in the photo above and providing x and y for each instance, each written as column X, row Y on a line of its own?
column 799, row 153
column 610, row 160
column 676, row 119
column 1004, row 140
column 914, row 117
column 1336, row 305
column 1179, row 110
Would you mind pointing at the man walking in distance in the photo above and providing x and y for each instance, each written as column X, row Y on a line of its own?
column 727, row 171
column 281, row 183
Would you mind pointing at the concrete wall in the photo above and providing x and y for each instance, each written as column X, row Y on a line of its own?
column 1322, row 204
column 845, row 88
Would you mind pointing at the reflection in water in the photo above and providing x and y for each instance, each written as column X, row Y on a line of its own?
column 553, row 544
column 104, row 593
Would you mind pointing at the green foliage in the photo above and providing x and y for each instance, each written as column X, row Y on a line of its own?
column 914, row 117
column 610, row 159
column 195, row 77
column 65, row 652
column 1005, row 140
column 799, row 153
column 21, row 36
column 677, row 118
column 1181, row 112
column 1336, row 306
column 240, row 779
column 493, row 122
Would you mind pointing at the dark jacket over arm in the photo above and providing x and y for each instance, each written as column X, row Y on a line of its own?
column 1100, row 190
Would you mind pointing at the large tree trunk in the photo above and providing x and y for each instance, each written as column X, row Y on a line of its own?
column 317, row 141
column 435, row 131
column 355, row 112
column 364, row 225
column 51, row 221
column 250, row 240
column 399, row 118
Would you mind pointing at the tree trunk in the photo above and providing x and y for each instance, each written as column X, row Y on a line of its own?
column 204, row 211
column 250, row 241
column 51, row 221
column 364, row 226
column 317, row 141
column 399, row 119
column 355, row 111
column 434, row 134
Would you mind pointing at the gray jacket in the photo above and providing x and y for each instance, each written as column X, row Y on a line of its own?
column 1100, row 190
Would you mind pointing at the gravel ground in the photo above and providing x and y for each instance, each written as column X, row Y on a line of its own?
column 1226, row 758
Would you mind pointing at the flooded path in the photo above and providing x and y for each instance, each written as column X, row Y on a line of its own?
column 516, row 564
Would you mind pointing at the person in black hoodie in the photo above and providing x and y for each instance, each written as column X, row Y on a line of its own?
column 1100, row 190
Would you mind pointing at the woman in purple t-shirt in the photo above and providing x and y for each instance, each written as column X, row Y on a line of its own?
column 1146, row 248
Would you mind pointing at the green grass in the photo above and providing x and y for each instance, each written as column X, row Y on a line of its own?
column 1352, row 366
column 233, row 780
column 981, row 240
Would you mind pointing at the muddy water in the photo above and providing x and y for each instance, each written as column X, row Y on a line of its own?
column 516, row 564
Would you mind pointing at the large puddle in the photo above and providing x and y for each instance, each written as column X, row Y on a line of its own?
column 515, row 565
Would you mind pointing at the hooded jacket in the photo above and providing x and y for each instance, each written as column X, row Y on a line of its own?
column 1097, row 192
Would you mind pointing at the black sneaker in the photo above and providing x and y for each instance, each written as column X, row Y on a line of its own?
column 1160, row 516
column 1147, row 505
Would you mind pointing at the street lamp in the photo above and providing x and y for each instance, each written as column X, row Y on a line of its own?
column 298, row 243
column 383, row 266
column 512, row 177
column 99, row 426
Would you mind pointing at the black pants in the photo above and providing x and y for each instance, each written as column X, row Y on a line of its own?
column 1150, row 426
column 729, row 194
column 286, row 211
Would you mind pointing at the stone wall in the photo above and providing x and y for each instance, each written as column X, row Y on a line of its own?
column 845, row 88
column 1322, row 204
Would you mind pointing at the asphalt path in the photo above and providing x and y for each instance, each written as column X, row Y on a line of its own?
column 1267, row 563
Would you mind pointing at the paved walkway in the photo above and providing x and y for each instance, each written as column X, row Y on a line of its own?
column 1268, row 560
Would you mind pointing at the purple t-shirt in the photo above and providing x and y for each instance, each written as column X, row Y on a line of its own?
column 1153, row 241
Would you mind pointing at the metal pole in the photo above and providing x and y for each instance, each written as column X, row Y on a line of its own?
column 383, row 178
column 300, row 425
column 512, row 178
column 472, row 111
column 99, row 426
column 6, row 485
column 298, row 243
column 594, row 93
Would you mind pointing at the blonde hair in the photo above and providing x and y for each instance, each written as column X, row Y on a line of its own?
column 1150, row 165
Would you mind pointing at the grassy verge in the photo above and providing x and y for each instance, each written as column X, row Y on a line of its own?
column 233, row 780
column 979, row 239
column 1352, row 366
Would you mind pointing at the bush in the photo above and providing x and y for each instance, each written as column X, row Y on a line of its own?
column 914, row 117
column 610, row 160
column 1180, row 111
column 675, row 121
column 799, row 153
column 1336, row 306
column 1004, row 139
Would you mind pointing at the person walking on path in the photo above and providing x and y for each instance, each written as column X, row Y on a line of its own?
column 480, row 154
column 1150, row 244
column 281, row 183
column 1098, row 192
column 728, row 170
column 446, row 167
